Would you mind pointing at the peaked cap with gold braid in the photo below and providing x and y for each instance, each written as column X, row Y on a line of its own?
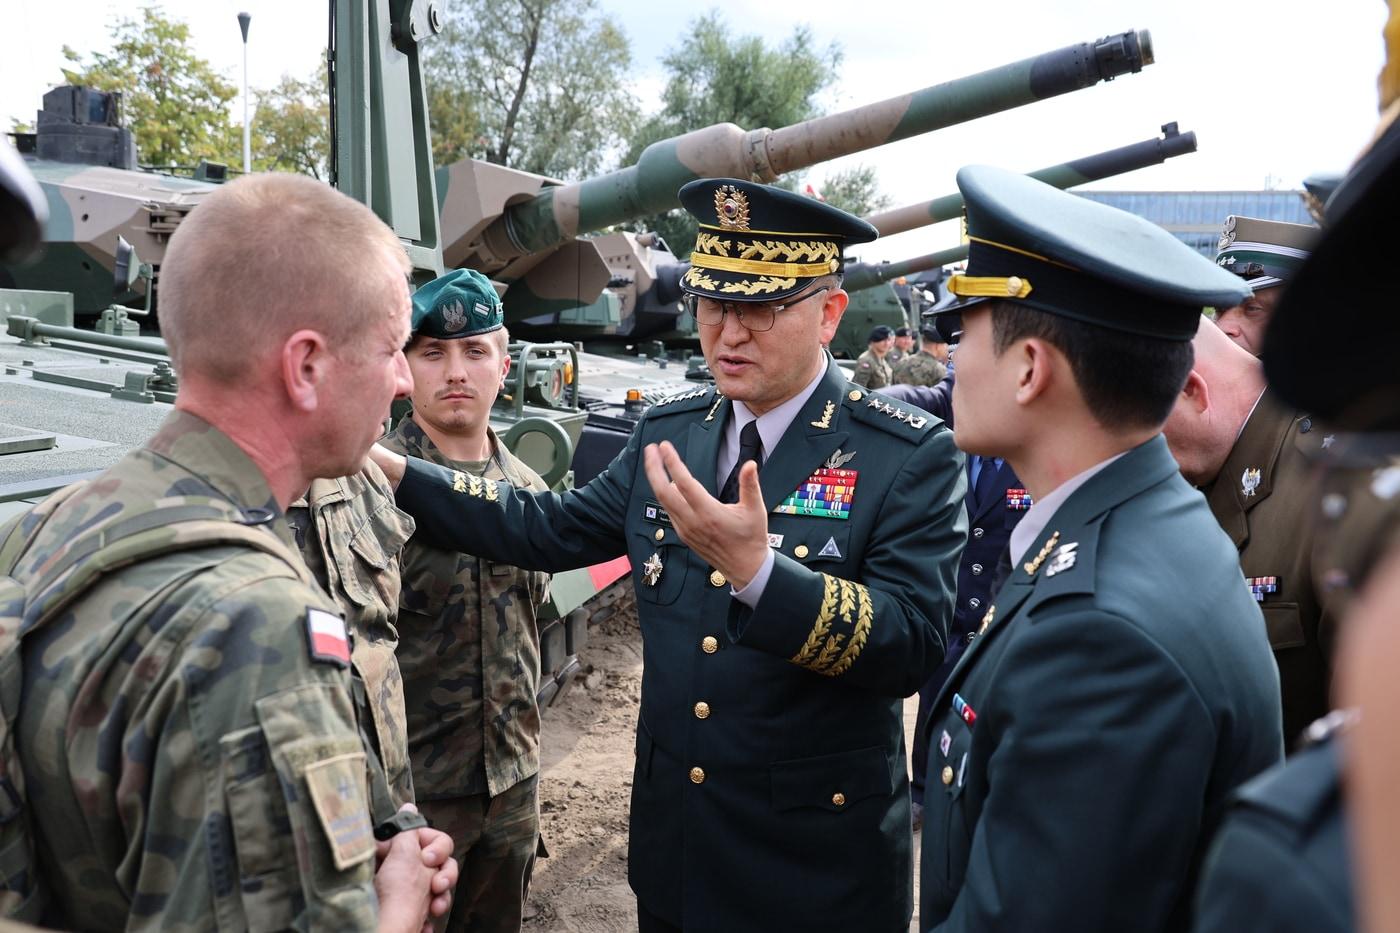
column 1034, row 244
column 760, row 243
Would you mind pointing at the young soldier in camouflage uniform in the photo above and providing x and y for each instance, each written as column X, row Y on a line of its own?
column 873, row 366
column 903, row 346
column 923, row 368
column 187, row 727
column 470, row 649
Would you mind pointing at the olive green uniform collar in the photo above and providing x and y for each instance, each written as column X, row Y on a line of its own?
column 1247, row 477
column 193, row 444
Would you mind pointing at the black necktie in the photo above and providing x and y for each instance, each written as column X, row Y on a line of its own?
column 986, row 482
column 750, row 448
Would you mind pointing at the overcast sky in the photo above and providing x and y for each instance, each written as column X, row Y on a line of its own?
column 1275, row 89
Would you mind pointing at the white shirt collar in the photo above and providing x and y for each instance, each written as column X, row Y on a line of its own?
column 771, row 425
column 1039, row 514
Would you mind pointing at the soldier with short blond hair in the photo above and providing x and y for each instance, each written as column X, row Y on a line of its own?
column 189, row 730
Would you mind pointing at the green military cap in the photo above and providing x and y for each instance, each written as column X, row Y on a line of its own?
column 1034, row 244
column 1330, row 346
column 760, row 243
column 459, row 304
column 1263, row 252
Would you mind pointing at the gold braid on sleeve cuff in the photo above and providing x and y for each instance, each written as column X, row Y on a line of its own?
column 822, row 652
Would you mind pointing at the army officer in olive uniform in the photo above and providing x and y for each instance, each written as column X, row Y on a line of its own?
column 1082, row 750
column 1253, row 457
column 793, row 541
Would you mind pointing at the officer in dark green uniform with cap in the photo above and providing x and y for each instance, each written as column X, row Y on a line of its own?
column 1121, row 686
column 793, row 542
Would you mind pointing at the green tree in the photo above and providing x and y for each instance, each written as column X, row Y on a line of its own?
column 175, row 102
column 716, row 77
column 855, row 190
column 531, row 84
column 291, row 127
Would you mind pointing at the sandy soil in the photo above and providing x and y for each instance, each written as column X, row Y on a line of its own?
column 587, row 750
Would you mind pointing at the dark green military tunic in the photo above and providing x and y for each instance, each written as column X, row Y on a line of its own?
column 1082, row 751
column 770, row 789
column 1262, row 497
column 1281, row 861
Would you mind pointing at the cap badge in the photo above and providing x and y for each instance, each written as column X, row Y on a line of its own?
column 732, row 208
column 1227, row 236
column 1250, row 480
column 454, row 316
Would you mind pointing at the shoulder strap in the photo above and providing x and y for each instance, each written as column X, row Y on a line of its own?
column 166, row 530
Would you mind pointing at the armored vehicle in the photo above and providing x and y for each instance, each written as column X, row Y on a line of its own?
column 85, row 161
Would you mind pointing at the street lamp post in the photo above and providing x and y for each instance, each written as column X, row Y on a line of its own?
column 243, row 20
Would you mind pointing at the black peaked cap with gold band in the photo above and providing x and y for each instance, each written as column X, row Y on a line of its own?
column 1036, row 245
column 760, row 243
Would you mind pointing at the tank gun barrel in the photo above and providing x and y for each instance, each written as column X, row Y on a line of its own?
column 1118, row 161
column 557, row 214
column 861, row 275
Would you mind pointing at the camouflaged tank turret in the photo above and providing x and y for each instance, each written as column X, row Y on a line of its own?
column 511, row 225
column 85, row 162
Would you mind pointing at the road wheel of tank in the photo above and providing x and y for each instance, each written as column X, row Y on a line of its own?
column 551, row 460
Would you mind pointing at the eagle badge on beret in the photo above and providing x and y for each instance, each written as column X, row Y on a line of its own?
column 454, row 316
column 732, row 208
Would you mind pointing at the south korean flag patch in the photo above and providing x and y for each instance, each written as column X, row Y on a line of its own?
column 326, row 637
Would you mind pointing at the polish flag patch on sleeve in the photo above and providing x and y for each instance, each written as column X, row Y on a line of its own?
column 327, row 638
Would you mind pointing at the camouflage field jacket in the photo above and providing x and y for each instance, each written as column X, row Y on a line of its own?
column 352, row 538
column 469, row 649
column 918, row 369
column 187, row 728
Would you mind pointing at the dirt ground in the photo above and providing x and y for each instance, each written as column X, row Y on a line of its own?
column 587, row 757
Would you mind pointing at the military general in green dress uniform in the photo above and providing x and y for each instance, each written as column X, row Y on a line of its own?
column 793, row 542
column 1081, row 752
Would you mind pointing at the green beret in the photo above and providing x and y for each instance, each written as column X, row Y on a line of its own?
column 461, row 303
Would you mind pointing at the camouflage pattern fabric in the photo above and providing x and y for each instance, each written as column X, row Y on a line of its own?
column 352, row 536
column 190, row 764
column 872, row 372
column 495, row 840
column 470, row 651
column 919, row 369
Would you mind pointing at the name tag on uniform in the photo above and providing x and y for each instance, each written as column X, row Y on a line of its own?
column 655, row 514
column 827, row 493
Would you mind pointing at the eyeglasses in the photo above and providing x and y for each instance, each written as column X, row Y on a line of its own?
column 756, row 316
